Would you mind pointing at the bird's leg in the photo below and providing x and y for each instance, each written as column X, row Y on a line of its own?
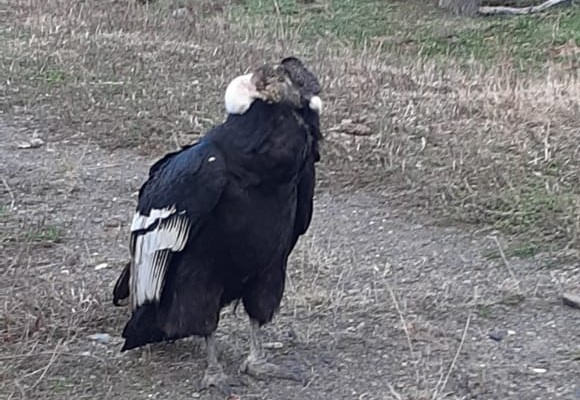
column 214, row 374
column 257, row 365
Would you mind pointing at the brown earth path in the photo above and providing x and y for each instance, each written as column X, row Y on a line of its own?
column 354, row 279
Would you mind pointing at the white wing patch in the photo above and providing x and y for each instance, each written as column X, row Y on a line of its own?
column 145, row 221
column 152, row 250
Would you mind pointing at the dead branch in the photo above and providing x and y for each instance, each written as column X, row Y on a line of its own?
column 506, row 263
column 499, row 10
column 10, row 193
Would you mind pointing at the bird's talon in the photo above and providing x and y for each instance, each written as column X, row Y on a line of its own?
column 218, row 379
column 262, row 369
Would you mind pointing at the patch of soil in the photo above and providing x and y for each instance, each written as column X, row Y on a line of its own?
column 376, row 307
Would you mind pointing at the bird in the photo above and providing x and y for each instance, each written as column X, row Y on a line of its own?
column 216, row 221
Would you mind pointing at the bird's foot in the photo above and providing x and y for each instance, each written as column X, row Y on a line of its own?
column 262, row 369
column 215, row 376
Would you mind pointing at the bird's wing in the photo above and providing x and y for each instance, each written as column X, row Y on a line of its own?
column 305, row 203
column 121, row 288
column 306, row 184
column 180, row 193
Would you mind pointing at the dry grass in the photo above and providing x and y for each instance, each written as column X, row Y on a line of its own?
column 477, row 144
column 466, row 143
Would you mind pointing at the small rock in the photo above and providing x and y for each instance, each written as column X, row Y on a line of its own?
column 359, row 130
column 538, row 370
column 497, row 335
column 101, row 266
column 103, row 338
column 180, row 12
column 33, row 143
column 273, row 345
column 571, row 300
column 36, row 142
column 112, row 223
column 349, row 127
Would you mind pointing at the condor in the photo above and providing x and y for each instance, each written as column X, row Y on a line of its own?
column 217, row 220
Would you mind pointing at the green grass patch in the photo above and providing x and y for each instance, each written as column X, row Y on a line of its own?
column 486, row 311
column 537, row 219
column 42, row 233
column 46, row 233
column 525, row 249
column 52, row 76
column 523, row 209
column 523, row 39
column 415, row 28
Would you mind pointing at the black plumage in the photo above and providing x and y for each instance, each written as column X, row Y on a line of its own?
column 223, row 216
column 308, row 87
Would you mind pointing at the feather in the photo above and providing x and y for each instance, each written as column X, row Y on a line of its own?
column 240, row 94
column 156, row 237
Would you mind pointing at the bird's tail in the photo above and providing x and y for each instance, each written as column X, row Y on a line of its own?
column 143, row 327
column 121, row 289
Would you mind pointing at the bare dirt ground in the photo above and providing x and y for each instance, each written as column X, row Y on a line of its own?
column 377, row 307
column 381, row 303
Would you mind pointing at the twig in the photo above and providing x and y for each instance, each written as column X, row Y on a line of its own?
column 84, row 152
column 20, row 388
column 520, row 10
column 277, row 7
column 394, row 392
column 46, row 368
column 99, row 167
column 176, row 140
column 45, row 353
column 10, row 193
column 505, row 261
column 15, row 261
column 454, row 361
column 407, row 335
column 280, row 20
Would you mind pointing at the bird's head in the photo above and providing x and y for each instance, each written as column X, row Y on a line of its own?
column 287, row 82
column 305, row 81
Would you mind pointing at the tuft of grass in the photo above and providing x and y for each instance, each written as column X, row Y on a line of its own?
column 52, row 76
column 485, row 311
column 521, row 209
column 45, row 233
